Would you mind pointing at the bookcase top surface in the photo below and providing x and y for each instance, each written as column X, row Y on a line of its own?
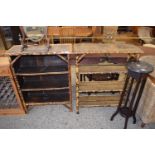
column 79, row 48
column 120, row 48
column 40, row 50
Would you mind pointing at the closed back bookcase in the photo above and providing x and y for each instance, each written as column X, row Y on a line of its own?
column 43, row 79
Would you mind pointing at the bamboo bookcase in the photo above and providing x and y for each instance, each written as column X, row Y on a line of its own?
column 101, row 72
column 43, row 77
column 99, row 82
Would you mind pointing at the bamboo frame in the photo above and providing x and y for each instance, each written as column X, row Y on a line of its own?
column 15, row 59
column 63, row 58
column 105, row 105
column 38, row 74
column 77, row 84
column 40, row 89
column 18, row 88
column 47, row 103
column 70, row 84
column 134, row 56
column 81, row 57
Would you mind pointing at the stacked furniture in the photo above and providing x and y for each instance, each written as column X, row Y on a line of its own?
column 10, row 101
column 43, row 77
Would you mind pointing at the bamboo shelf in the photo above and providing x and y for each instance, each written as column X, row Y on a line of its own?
column 103, row 86
column 101, row 100
column 34, row 71
column 57, row 96
column 46, row 82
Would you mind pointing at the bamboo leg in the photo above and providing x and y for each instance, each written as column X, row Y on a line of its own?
column 77, row 85
column 70, row 84
column 18, row 88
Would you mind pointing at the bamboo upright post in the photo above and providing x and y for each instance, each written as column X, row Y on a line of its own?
column 77, row 85
column 70, row 83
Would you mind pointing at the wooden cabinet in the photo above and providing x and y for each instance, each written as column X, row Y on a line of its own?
column 10, row 101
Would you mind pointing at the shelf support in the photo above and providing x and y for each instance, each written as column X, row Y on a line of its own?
column 15, row 59
column 80, row 58
column 63, row 58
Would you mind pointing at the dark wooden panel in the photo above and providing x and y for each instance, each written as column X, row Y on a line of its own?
column 43, row 82
column 47, row 96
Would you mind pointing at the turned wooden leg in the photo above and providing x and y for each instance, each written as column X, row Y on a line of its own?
column 112, row 117
column 134, row 119
column 126, row 122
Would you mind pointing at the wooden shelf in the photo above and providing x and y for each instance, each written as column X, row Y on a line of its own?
column 45, row 84
column 100, row 86
column 99, row 100
column 99, row 69
column 34, row 71
column 94, row 60
column 47, row 103
column 45, row 89
column 48, row 96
